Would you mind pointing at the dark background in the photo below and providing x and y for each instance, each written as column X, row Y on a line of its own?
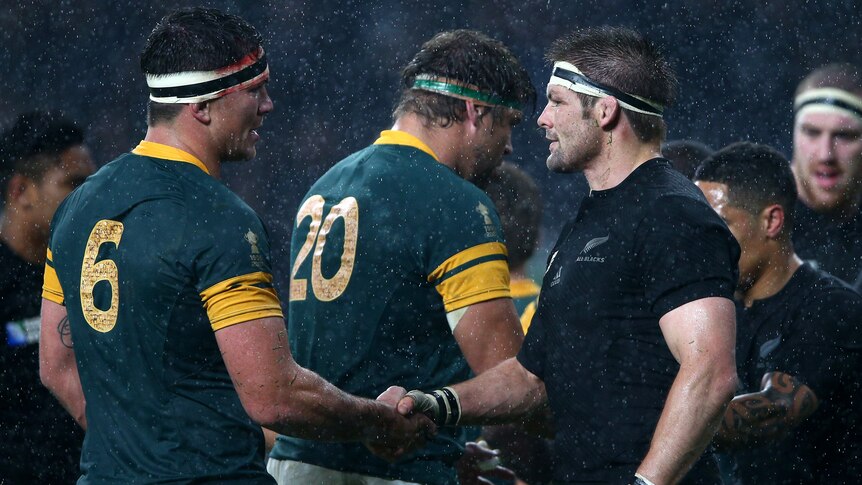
column 335, row 69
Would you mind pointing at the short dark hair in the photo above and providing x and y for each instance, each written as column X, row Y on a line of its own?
column 33, row 144
column 519, row 205
column 685, row 155
column 756, row 176
column 844, row 76
column 623, row 59
column 194, row 39
column 469, row 57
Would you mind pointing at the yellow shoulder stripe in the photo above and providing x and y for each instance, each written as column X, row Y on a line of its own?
column 527, row 316
column 395, row 137
column 166, row 152
column 524, row 288
column 240, row 299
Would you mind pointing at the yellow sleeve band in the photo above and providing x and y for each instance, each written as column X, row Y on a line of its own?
column 482, row 282
column 240, row 299
column 51, row 289
column 466, row 256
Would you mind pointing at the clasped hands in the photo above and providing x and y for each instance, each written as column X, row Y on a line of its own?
column 405, row 431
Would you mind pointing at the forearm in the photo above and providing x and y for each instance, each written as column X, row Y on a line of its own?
column 502, row 394
column 66, row 387
column 311, row 408
column 690, row 417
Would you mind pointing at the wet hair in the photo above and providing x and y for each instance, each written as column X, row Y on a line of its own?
column 685, row 155
column 194, row 39
column 519, row 205
column 756, row 176
column 844, row 76
column 469, row 57
column 623, row 59
column 34, row 143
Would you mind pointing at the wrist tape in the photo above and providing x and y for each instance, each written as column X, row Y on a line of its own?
column 442, row 405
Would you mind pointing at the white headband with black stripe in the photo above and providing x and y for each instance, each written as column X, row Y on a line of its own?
column 828, row 100
column 200, row 86
column 570, row 77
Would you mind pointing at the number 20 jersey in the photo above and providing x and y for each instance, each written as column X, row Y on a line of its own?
column 150, row 256
column 386, row 243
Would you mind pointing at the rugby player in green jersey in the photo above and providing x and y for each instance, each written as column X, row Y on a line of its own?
column 398, row 266
column 161, row 277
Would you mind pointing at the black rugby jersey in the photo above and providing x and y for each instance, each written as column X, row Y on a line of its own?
column 810, row 330
column 633, row 253
column 828, row 244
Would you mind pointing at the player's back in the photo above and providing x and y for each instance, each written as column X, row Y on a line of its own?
column 127, row 248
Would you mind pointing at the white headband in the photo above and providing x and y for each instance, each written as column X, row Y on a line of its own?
column 570, row 77
column 200, row 86
column 828, row 100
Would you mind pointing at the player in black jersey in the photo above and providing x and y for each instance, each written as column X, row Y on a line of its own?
column 799, row 351
column 632, row 342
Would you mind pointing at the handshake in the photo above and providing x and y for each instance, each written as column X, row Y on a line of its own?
column 410, row 420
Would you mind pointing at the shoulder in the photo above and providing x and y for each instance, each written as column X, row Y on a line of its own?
column 829, row 306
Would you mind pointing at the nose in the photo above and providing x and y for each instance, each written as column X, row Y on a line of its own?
column 545, row 120
column 824, row 148
column 265, row 105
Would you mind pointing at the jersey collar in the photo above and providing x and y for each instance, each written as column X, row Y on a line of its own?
column 166, row 152
column 395, row 137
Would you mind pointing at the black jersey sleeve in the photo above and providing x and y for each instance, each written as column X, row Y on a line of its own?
column 685, row 253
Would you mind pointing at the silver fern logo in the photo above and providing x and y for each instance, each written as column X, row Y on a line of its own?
column 592, row 244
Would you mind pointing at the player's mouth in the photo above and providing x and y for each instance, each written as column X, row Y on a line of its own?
column 827, row 179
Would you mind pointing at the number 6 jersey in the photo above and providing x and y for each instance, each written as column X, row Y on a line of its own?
column 385, row 244
column 150, row 256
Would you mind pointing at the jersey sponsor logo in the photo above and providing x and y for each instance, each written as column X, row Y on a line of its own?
column 490, row 228
column 592, row 244
column 557, row 277
column 23, row 332
column 256, row 257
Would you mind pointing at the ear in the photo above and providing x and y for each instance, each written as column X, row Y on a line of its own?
column 607, row 111
column 16, row 189
column 772, row 218
column 201, row 112
column 474, row 115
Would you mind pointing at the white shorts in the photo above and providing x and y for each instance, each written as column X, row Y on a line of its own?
column 287, row 472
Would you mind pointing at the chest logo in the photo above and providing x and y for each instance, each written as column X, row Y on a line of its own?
column 769, row 346
column 592, row 244
column 557, row 277
column 256, row 257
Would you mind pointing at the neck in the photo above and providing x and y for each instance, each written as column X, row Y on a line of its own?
column 620, row 155
column 777, row 272
column 22, row 237
column 442, row 141
column 174, row 134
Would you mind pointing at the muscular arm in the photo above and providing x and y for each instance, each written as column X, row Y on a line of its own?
column 489, row 333
column 57, row 367
column 701, row 336
column 759, row 417
column 498, row 395
column 281, row 395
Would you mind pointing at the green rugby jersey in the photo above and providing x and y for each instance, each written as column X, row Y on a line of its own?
column 150, row 256
column 386, row 243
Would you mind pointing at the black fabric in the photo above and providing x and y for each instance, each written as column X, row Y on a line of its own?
column 633, row 253
column 834, row 246
column 810, row 330
column 39, row 440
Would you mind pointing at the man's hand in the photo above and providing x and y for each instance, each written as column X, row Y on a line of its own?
column 402, row 433
column 768, row 415
column 480, row 463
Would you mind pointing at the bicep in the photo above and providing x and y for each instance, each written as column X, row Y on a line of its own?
column 488, row 332
column 703, row 330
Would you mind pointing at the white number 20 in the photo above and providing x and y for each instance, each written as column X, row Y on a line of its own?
column 325, row 289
